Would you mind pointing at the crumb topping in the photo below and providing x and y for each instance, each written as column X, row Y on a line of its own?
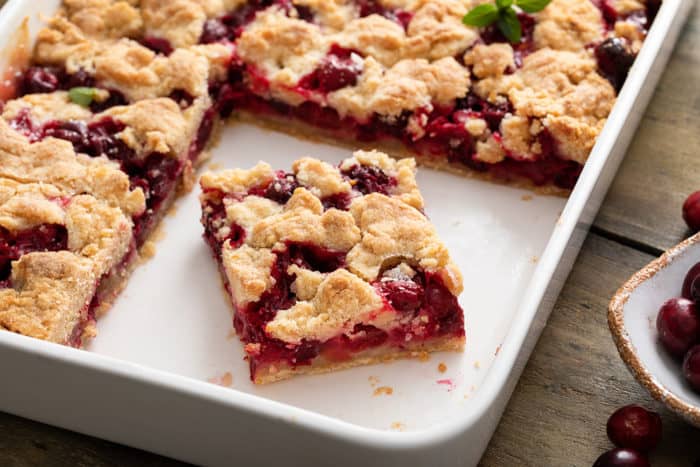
column 378, row 234
column 568, row 25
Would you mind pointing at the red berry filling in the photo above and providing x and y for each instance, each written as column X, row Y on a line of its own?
column 424, row 299
column 526, row 45
column 614, row 60
column 230, row 26
column 426, row 308
column 373, row 7
column 45, row 237
column 337, row 70
column 157, row 45
column 37, row 79
column 369, row 179
column 156, row 174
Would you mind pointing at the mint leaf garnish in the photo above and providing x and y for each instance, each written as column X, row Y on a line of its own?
column 532, row 6
column 481, row 16
column 82, row 96
column 509, row 24
column 504, row 13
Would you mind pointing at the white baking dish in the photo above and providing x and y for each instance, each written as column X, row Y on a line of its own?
column 144, row 379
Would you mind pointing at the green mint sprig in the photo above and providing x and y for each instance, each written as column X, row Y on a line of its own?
column 82, row 96
column 504, row 15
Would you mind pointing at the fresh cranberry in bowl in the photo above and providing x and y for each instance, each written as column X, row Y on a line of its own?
column 691, row 367
column 678, row 325
column 690, row 279
column 634, row 427
column 691, row 211
column 622, row 458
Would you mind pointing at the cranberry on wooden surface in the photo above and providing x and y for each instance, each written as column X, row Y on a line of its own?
column 634, row 427
column 691, row 367
column 678, row 326
column 622, row 458
column 691, row 211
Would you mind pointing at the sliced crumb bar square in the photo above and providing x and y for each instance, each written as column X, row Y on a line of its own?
column 330, row 267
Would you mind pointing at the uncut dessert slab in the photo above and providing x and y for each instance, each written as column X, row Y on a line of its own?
column 495, row 243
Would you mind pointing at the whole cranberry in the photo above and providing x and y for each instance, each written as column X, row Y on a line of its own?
column 691, row 211
column 214, row 30
column 686, row 291
column 622, row 458
column 614, row 60
column 678, row 326
column 635, row 427
column 691, row 367
column 39, row 80
column 404, row 295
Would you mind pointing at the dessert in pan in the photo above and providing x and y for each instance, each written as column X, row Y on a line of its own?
column 330, row 267
column 122, row 99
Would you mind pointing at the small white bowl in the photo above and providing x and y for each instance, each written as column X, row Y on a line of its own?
column 632, row 318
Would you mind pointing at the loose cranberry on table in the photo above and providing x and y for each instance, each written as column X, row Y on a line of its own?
column 622, row 458
column 691, row 367
column 691, row 211
column 678, row 325
column 635, row 427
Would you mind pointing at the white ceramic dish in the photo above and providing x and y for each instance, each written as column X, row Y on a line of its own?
column 143, row 381
column 632, row 318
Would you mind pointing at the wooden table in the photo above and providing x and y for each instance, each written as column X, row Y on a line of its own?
column 575, row 378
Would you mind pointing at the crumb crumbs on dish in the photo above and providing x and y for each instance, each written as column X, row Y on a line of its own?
column 384, row 390
column 477, row 365
column 423, row 356
column 398, row 426
column 225, row 380
column 442, row 367
column 148, row 249
column 534, row 259
column 527, row 197
column 373, row 381
column 498, row 349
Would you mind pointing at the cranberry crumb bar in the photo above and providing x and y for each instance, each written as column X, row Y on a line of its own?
column 331, row 267
column 132, row 91
column 66, row 237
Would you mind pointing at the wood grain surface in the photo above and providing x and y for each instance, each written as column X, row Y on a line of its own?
column 575, row 378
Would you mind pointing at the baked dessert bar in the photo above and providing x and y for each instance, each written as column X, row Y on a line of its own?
column 139, row 87
column 404, row 75
column 66, row 237
column 331, row 267
column 408, row 77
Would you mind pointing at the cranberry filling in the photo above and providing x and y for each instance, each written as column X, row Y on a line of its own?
column 614, row 60
column 372, row 7
column 445, row 133
column 337, row 201
column 157, row 45
column 282, row 188
column 45, row 237
column 230, row 26
column 337, row 70
column 369, row 179
column 37, row 79
column 524, row 47
column 425, row 297
column 156, row 174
